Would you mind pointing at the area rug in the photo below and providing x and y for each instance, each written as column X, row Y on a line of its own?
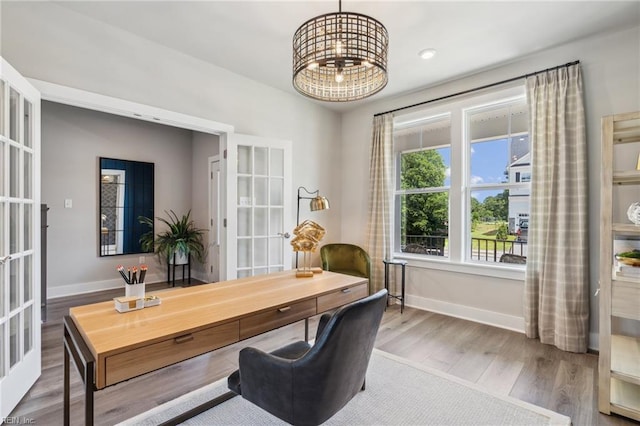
column 399, row 392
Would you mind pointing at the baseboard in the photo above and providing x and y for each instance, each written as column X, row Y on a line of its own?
column 482, row 316
column 91, row 287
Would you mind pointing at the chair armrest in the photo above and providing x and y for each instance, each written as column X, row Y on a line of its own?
column 255, row 364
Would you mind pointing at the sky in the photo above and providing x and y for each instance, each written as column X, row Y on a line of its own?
column 488, row 163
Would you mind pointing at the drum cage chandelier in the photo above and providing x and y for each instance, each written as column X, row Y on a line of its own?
column 340, row 57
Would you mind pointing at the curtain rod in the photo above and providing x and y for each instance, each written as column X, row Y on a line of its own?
column 475, row 89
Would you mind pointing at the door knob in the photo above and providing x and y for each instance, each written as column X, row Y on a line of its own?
column 284, row 235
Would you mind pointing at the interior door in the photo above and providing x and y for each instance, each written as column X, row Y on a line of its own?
column 258, row 199
column 19, row 237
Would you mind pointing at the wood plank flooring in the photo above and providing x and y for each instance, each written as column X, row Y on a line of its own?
column 502, row 360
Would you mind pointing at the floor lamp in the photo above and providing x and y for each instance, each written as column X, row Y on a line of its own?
column 317, row 203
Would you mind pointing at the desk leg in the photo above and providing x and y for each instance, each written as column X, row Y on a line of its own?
column 199, row 409
column 76, row 348
column 402, row 302
column 66, row 397
column 306, row 329
column 88, row 394
column 386, row 283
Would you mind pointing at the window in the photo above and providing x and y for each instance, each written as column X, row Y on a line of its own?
column 423, row 166
column 499, row 159
column 462, row 180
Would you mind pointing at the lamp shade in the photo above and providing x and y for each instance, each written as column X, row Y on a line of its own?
column 319, row 203
column 340, row 57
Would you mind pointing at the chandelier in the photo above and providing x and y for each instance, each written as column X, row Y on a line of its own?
column 340, row 57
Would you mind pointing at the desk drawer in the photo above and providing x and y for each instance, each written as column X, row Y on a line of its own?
column 138, row 361
column 342, row 297
column 276, row 317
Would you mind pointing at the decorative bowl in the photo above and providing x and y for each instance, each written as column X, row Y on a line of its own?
column 633, row 213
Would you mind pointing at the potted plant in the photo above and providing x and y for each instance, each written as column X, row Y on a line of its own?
column 181, row 240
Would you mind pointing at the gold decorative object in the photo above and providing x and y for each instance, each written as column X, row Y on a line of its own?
column 307, row 236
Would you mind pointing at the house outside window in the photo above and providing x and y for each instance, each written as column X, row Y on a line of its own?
column 462, row 182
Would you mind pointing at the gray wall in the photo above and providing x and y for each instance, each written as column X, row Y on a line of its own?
column 611, row 70
column 72, row 140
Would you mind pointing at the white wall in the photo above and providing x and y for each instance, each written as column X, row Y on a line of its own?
column 204, row 146
column 72, row 141
column 611, row 70
column 112, row 62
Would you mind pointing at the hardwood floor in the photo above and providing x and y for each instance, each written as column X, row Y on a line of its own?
column 501, row 360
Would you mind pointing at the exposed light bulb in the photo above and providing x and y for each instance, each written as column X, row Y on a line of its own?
column 313, row 66
column 339, row 77
column 339, row 47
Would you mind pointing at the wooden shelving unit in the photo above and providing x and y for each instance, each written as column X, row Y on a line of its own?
column 619, row 364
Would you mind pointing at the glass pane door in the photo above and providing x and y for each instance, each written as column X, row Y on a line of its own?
column 258, row 205
column 19, row 243
column 260, row 210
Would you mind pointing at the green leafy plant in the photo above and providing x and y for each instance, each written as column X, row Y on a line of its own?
column 634, row 254
column 181, row 236
column 502, row 232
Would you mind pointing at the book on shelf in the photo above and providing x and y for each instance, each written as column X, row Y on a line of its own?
column 627, row 271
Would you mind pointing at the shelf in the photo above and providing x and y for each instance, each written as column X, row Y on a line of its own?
column 626, row 139
column 626, row 128
column 626, row 278
column 625, row 399
column 625, row 353
column 626, row 228
column 625, row 300
column 626, row 176
column 619, row 365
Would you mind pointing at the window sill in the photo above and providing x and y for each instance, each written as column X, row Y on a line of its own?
column 511, row 272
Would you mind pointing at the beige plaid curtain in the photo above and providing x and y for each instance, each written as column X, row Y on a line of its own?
column 556, row 285
column 380, row 198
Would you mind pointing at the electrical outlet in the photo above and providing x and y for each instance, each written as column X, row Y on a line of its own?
column 141, row 259
column 68, row 203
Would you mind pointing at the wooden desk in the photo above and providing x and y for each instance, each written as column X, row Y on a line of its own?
column 110, row 347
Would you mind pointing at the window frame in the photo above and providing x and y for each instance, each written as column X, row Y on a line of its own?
column 459, row 189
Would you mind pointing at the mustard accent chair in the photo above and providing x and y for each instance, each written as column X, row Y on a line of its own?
column 346, row 259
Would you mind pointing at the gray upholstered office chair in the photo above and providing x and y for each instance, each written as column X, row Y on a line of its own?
column 346, row 259
column 306, row 385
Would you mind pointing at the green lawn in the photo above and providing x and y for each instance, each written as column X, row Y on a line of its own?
column 487, row 231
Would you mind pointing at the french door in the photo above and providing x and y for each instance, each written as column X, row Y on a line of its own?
column 19, row 237
column 258, row 200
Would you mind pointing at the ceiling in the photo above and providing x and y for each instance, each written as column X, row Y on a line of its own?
column 253, row 38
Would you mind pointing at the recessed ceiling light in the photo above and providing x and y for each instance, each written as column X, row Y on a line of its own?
column 427, row 53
